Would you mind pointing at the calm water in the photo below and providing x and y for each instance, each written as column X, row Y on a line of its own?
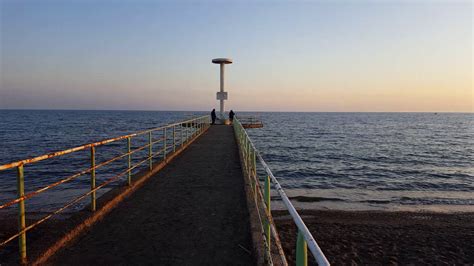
column 394, row 161
column 324, row 160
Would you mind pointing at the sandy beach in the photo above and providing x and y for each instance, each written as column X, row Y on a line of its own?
column 382, row 238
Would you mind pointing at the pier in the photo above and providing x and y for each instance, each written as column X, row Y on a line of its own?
column 196, row 200
column 192, row 212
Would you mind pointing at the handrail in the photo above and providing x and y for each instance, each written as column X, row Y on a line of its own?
column 83, row 147
column 248, row 149
column 71, row 177
column 188, row 129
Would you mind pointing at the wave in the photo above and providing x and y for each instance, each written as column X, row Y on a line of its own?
column 314, row 199
column 393, row 200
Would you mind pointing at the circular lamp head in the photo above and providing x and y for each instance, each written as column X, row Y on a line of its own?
column 222, row 61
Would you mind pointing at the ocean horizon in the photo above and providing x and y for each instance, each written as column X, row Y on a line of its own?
column 248, row 112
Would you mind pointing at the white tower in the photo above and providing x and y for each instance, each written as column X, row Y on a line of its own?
column 221, row 95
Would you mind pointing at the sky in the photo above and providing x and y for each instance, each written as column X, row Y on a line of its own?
column 328, row 56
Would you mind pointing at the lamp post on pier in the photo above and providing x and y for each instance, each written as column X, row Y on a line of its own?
column 222, row 95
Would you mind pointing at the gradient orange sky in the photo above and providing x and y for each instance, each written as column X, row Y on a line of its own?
column 289, row 56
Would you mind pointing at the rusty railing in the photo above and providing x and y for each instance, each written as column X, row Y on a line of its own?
column 178, row 134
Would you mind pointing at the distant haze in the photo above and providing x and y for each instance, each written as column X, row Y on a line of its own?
column 288, row 56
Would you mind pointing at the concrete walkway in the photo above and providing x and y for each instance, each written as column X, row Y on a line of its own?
column 193, row 212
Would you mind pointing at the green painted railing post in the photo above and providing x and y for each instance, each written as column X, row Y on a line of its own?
column 187, row 131
column 150, row 150
column 164, row 144
column 246, row 149
column 181, row 133
column 21, row 213
column 254, row 163
column 248, row 156
column 301, row 250
column 250, row 160
column 267, row 202
column 245, row 153
column 93, row 178
column 129, row 165
column 174, row 139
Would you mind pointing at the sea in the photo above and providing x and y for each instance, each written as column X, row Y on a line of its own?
column 338, row 161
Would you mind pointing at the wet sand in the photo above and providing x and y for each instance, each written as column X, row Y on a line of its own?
column 384, row 238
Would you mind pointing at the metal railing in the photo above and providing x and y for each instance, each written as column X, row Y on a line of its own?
column 181, row 133
column 305, row 239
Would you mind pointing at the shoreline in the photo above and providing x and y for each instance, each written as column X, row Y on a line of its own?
column 383, row 237
column 364, row 200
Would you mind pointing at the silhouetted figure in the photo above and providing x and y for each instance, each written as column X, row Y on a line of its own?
column 231, row 116
column 213, row 116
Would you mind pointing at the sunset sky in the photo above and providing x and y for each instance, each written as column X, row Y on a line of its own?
column 288, row 55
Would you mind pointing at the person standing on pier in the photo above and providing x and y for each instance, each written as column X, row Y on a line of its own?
column 213, row 116
column 231, row 116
